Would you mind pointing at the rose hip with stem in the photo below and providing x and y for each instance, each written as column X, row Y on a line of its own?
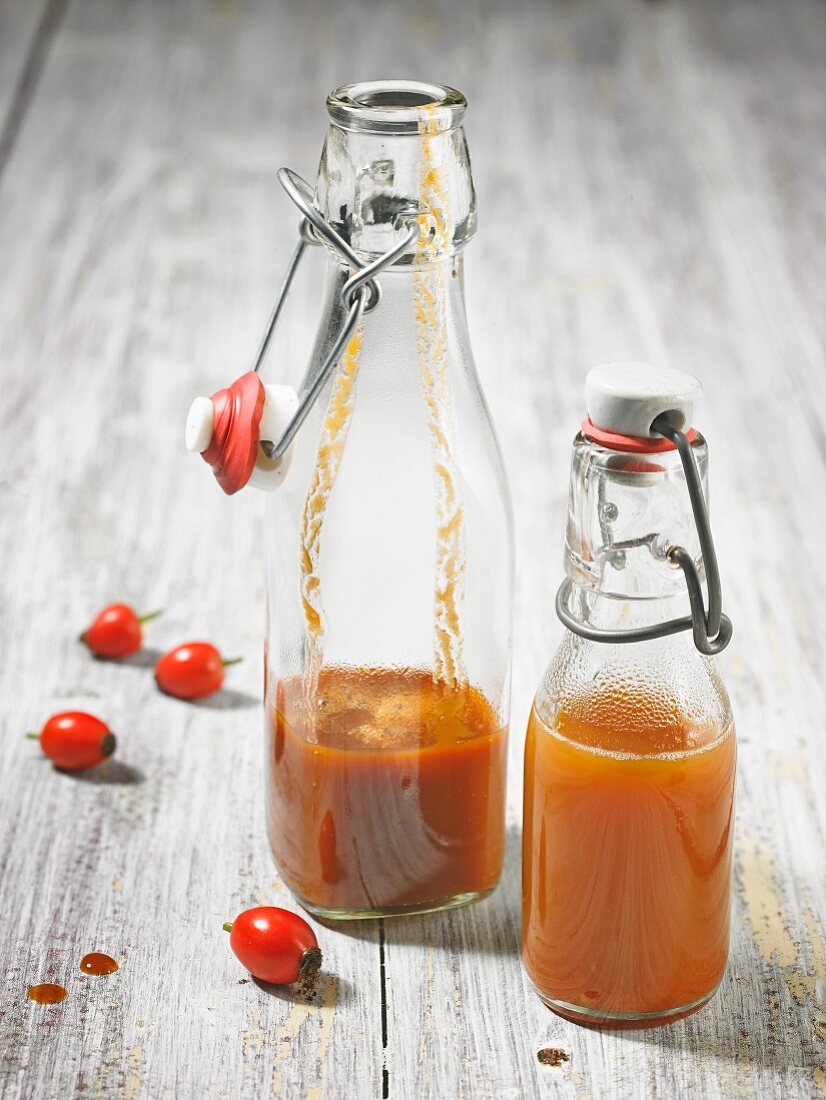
column 74, row 740
column 275, row 945
column 116, row 631
column 192, row 670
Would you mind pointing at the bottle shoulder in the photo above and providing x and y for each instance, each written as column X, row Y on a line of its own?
column 647, row 697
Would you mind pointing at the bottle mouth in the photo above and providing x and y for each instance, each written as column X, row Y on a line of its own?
column 396, row 107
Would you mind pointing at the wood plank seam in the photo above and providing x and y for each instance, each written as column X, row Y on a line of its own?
column 385, row 1079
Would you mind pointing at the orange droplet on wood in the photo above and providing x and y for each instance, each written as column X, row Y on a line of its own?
column 47, row 993
column 97, row 963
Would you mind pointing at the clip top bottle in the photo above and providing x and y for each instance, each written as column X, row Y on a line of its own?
column 388, row 532
column 630, row 753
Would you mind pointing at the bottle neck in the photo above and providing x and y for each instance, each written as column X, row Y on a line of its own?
column 625, row 512
column 418, row 303
column 373, row 186
column 596, row 609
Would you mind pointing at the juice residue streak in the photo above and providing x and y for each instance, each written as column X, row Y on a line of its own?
column 385, row 791
column 627, row 868
column 328, row 459
column 429, row 299
column 97, row 963
column 429, row 296
column 47, row 993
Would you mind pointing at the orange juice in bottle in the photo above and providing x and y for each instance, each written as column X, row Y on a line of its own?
column 630, row 753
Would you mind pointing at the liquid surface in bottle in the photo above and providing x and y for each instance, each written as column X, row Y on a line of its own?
column 627, row 857
column 390, row 793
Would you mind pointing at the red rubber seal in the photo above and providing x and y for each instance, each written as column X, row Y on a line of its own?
column 236, row 432
column 630, row 443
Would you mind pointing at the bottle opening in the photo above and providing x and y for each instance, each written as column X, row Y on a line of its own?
column 394, row 97
column 396, row 106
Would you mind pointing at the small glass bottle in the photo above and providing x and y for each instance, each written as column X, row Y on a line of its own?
column 630, row 753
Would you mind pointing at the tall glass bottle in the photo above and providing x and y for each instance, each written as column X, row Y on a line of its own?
column 630, row 753
column 389, row 548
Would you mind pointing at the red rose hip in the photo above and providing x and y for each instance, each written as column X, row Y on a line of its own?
column 276, row 946
column 74, row 740
column 192, row 670
column 116, row 631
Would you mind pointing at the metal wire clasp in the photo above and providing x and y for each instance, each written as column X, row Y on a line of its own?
column 360, row 293
column 712, row 629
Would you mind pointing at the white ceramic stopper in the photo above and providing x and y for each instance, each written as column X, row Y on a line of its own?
column 199, row 425
column 280, row 402
column 626, row 397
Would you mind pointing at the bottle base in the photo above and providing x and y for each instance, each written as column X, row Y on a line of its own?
column 623, row 1021
column 455, row 901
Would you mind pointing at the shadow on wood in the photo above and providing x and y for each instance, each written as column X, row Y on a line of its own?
column 110, row 772
column 489, row 926
column 720, row 1035
column 144, row 658
column 228, row 699
column 313, row 998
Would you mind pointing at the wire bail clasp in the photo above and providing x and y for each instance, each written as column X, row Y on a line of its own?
column 360, row 294
column 711, row 628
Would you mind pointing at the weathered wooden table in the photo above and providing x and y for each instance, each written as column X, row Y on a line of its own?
column 652, row 183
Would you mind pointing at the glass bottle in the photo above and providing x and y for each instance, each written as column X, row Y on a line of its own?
column 389, row 547
column 630, row 752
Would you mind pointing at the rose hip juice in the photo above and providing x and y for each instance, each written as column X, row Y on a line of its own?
column 627, row 874
column 386, row 791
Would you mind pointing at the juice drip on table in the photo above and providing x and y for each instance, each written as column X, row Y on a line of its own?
column 386, row 791
column 47, row 993
column 429, row 299
column 98, row 963
column 636, row 803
